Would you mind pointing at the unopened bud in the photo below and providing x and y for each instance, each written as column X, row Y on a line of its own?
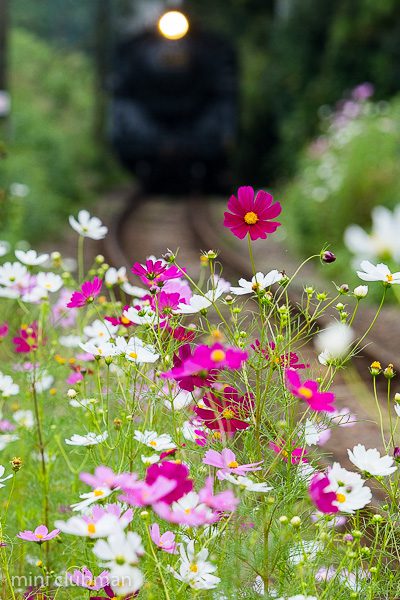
column 16, row 463
column 361, row 291
column 117, row 424
column 375, row 368
column 389, row 373
column 99, row 259
column 295, row 521
column 71, row 393
column 328, row 257
column 344, row 289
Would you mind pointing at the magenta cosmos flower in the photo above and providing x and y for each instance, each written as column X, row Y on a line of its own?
column 308, row 391
column 288, row 359
column 40, row 535
column 226, row 462
column 321, row 494
column 85, row 579
column 225, row 413
column 3, row 330
column 89, row 291
column 252, row 214
column 156, row 272
column 177, row 472
column 27, row 340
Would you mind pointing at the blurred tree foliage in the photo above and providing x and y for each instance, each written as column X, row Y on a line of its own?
column 297, row 55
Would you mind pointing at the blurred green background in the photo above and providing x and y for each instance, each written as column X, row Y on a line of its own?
column 299, row 60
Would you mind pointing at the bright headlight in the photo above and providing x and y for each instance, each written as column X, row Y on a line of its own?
column 173, row 25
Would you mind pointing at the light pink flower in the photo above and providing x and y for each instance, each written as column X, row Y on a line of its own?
column 166, row 541
column 40, row 535
column 226, row 462
column 84, row 578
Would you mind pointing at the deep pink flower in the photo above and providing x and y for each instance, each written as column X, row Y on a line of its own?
column 166, row 541
column 252, row 215
column 74, row 378
column 222, row 502
column 226, row 462
column 3, row 330
column 165, row 303
column 89, row 291
column 225, row 412
column 288, row 359
column 156, row 272
column 121, row 320
column 183, row 334
column 84, row 578
column 296, row 454
column 40, row 535
column 320, row 494
column 177, row 472
column 27, row 340
column 308, row 391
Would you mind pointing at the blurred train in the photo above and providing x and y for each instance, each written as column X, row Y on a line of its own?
column 174, row 111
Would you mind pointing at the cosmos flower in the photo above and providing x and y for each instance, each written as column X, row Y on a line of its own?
column 40, row 535
column 257, row 283
column 87, row 226
column 371, row 462
column 321, row 494
column 105, row 477
column 380, row 272
column 119, row 548
column 156, row 272
column 335, row 340
column 248, row 484
column 188, row 510
column 223, row 502
column 27, row 340
column 194, row 569
column 308, row 391
column 89, row 498
column 177, row 472
column 85, row 578
column 90, row 439
column 252, row 214
column 287, row 359
column 89, row 291
column 115, row 276
column 226, row 412
column 152, row 439
column 7, row 386
column 226, row 462
column 90, row 526
column 165, row 542
column 31, row 257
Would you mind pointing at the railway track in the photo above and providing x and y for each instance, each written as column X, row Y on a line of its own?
column 149, row 226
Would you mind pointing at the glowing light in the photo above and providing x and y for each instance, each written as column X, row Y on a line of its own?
column 173, row 25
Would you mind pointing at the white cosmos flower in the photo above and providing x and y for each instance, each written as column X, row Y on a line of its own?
column 360, row 291
column 194, row 569
column 84, row 527
column 19, row 189
column 69, row 341
column 100, row 330
column 7, row 386
column 370, row 461
column 334, row 341
column 179, row 400
column 24, row 418
column 246, row 483
column 43, row 381
column 6, row 438
column 85, row 402
column 12, row 273
column 49, row 282
column 258, row 282
column 135, row 351
column 2, row 469
column 198, row 303
column 115, row 276
column 31, row 257
column 119, row 549
column 380, row 272
column 150, row 460
column 153, row 440
column 99, row 348
column 384, row 238
column 125, row 579
column 8, row 292
column 189, row 429
column 311, row 433
column 91, row 497
column 351, row 494
column 90, row 439
column 140, row 316
column 134, row 290
column 88, row 226
column 4, row 247
column 305, row 551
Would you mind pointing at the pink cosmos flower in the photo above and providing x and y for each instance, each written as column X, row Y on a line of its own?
column 98, row 512
column 3, row 330
column 156, row 272
column 183, row 334
column 27, row 340
column 226, row 412
column 252, row 215
column 222, row 502
column 166, row 541
column 321, row 494
column 178, row 286
column 84, row 578
column 308, row 391
column 188, row 510
column 226, row 462
column 177, row 472
column 74, row 378
column 144, row 494
column 89, row 291
column 104, row 477
column 296, row 455
column 288, row 359
column 40, row 535
column 165, row 303
column 6, row 425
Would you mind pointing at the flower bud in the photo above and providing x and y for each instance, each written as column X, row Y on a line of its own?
column 397, row 397
column 283, row 520
column 71, row 393
column 169, row 257
column 16, row 463
column 348, row 538
column 344, row 289
column 389, row 373
column 117, row 424
column 328, row 257
column 360, row 291
column 375, row 368
column 295, row 521
column 99, row 259
column 339, row 306
column 396, row 453
column 321, row 296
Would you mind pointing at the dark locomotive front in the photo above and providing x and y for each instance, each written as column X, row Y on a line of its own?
column 173, row 112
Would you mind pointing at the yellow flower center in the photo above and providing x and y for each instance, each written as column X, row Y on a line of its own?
column 340, row 497
column 125, row 321
column 233, row 464
column 217, row 355
column 91, row 527
column 285, row 453
column 376, row 365
column 98, row 493
column 194, row 568
column 255, row 287
column 91, row 583
column 389, row 277
column 305, row 392
column 228, row 413
column 216, row 435
column 251, row 218
column 187, row 511
column 133, row 354
column 153, row 443
column 39, row 536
